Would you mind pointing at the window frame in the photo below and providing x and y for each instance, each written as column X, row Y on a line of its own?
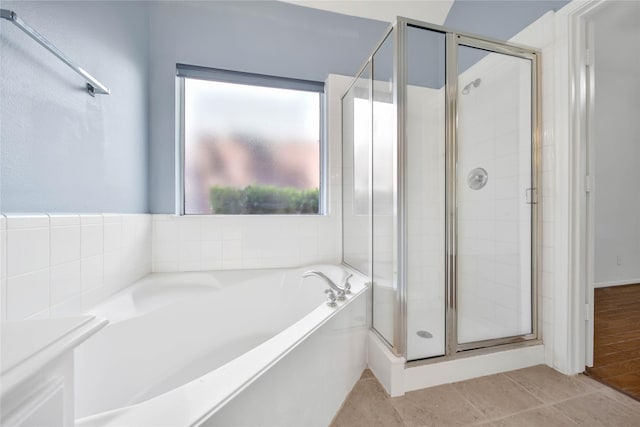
column 184, row 71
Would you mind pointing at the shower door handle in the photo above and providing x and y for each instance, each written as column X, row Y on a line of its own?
column 531, row 196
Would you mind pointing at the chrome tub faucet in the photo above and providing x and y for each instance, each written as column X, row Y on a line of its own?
column 336, row 292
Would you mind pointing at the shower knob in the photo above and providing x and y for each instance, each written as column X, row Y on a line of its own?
column 477, row 178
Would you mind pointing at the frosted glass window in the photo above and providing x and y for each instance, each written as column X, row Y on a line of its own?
column 250, row 149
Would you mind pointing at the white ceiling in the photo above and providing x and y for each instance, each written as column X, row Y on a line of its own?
column 433, row 11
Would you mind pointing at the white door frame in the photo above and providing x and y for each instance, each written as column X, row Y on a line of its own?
column 581, row 185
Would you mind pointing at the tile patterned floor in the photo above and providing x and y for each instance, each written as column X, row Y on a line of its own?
column 617, row 338
column 536, row 396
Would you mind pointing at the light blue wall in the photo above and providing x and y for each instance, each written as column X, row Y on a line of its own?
column 499, row 19
column 262, row 37
column 60, row 149
column 63, row 151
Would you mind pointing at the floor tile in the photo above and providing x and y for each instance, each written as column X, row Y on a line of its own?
column 436, row 406
column 546, row 416
column 367, row 406
column 367, row 374
column 545, row 383
column 613, row 394
column 497, row 396
column 495, row 401
column 598, row 409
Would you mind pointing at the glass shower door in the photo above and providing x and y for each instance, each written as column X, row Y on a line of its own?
column 494, row 197
column 425, row 195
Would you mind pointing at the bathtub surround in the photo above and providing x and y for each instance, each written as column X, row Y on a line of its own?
column 268, row 330
column 194, row 243
column 62, row 265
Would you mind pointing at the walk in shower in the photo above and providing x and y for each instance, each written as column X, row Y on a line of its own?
column 440, row 179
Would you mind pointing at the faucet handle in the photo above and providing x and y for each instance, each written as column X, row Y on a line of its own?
column 346, row 285
column 331, row 298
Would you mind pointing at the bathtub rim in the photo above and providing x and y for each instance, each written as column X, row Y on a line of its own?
column 179, row 407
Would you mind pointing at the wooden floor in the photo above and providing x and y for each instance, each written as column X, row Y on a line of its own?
column 617, row 338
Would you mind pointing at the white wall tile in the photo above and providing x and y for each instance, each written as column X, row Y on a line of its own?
column 165, row 267
column 112, row 235
column 57, row 259
column 189, row 256
column 3, row 247
column 211, row 253
column 3, row 302
column 70, row 307
column 65, row 282
column 91, row 236
column 92, row 272
column 64, row 220
column 189, row 229
column 235, row 264
column 166, row 230
column 65, row 244
column 27, row 294
column 27, row 221
column 87, row 219
column 113, row 274
column 231, row 249
column 27, row 249
column 165, row 252
column 91, row 298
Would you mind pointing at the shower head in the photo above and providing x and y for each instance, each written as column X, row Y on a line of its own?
column 474, row 83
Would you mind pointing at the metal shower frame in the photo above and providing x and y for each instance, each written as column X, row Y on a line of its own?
column 454, row 39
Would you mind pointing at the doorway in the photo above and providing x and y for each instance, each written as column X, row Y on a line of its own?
column 611, row 64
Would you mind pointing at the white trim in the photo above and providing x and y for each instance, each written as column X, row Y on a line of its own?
column 386, row 366
column 617, row 283
column 397, row 378
column 418, row 377
column 579, row 326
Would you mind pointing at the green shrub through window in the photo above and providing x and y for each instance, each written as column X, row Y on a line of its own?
column 260, row 199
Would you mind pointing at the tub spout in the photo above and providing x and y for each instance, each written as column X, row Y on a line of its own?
column 340, row 292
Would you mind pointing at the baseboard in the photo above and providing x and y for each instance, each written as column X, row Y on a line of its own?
column 398, row 378
column 617, row 283
column 450, row 371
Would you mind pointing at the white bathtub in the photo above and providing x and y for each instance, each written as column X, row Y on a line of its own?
column 222, row 348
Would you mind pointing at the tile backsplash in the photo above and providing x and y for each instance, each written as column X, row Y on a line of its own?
column 60, row 265
column 194, row 243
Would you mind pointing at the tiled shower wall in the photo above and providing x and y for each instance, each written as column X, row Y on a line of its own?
column 544, row 35
column 62, row 265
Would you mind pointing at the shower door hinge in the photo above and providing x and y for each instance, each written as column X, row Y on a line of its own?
column 587, row 184
column 531, row 195
column 588, row 57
